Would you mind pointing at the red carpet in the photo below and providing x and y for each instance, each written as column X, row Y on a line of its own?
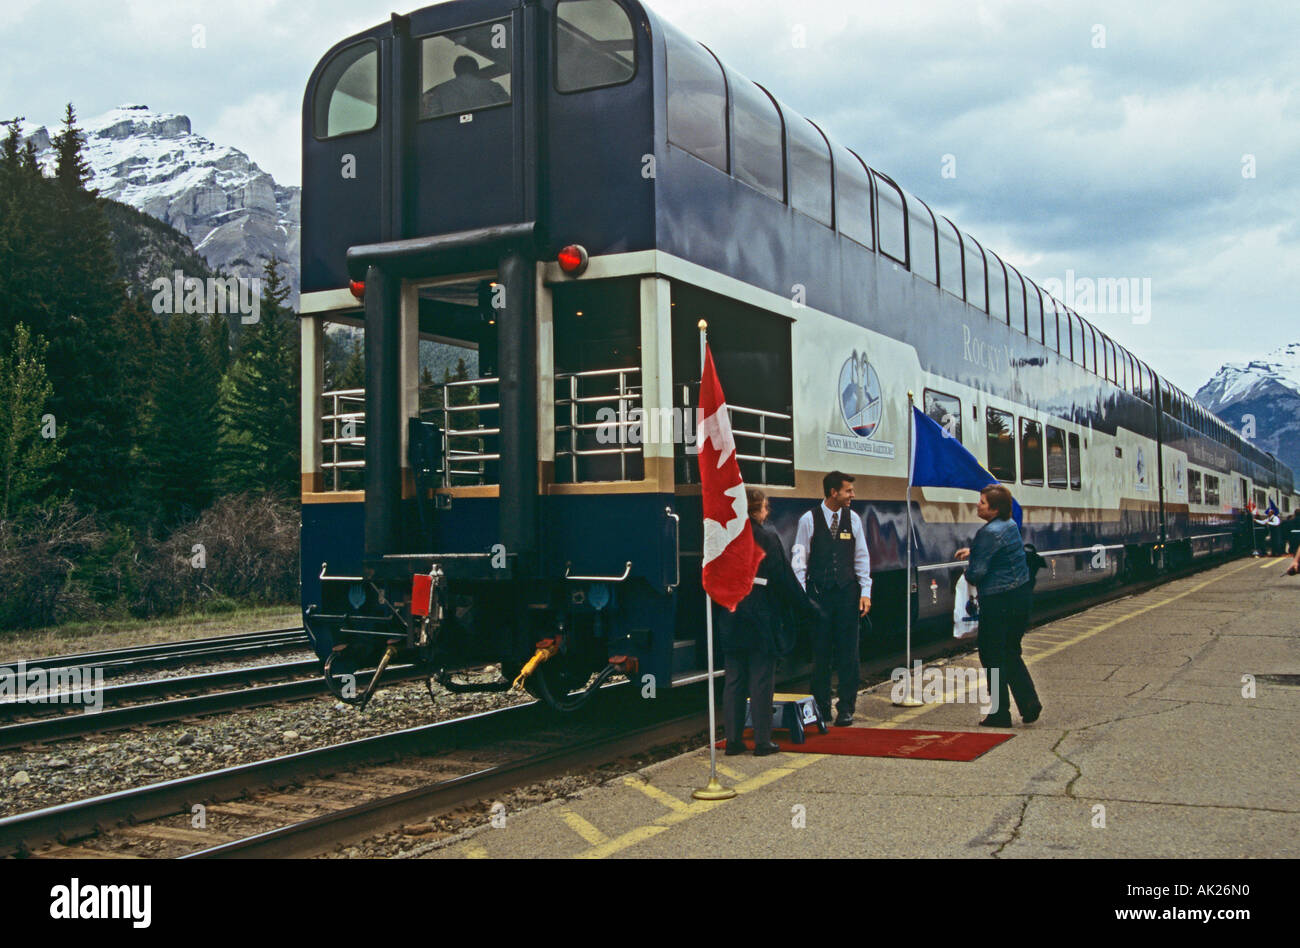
column 893, row 742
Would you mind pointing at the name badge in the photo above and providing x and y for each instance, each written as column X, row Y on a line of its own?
column 846, row 536
column 760, row 581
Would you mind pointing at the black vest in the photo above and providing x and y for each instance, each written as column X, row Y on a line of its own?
column 830, row 561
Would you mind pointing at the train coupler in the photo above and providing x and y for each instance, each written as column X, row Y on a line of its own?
column 546, row 650
column 347, row 692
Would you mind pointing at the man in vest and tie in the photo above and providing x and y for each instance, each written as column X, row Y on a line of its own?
column 831, row 561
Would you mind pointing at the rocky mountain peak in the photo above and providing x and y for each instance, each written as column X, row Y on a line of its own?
column 234, row 213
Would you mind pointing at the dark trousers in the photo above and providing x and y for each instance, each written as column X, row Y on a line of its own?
column 1004, row 617
column 835, row 647
column 751, row 675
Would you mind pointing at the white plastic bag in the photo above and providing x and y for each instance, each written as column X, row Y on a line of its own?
column 965, row 611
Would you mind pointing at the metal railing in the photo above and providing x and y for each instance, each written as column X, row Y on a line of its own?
column 783, row 458
column 764, row 445
column 470, row 432
column 579, row 398
column 343, row 438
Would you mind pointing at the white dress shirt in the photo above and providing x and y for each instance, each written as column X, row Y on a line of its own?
column 803, row 548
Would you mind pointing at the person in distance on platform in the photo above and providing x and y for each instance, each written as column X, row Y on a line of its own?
column 760, row 630
column 998, row 569
column 833, row 565
column 1274, row 531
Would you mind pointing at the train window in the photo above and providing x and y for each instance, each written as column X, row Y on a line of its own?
column 997, row 288
column 1077, row 348
column 950, row 258
column 976, row 288
column 465, row 70
column 1017, row 313
column 1051, row 330
column 697, row 100
column 594, row 45
column 1193, row 487
column 756, row 129
column 1000, row 429
column 1211, row 490
column 891, row 221
column 347, row 95
column 1058, row 464
column 945, row 410
column 852, row 197
column 1076, row 463
column 920, row 239
column 1090, row 349
column 1031, row 453
column 810, row 169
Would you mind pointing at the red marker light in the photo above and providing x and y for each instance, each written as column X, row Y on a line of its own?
column 573, row 260
column 358, row 289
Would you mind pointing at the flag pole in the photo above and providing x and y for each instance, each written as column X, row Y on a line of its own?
column 714, row 790
column 911, row 700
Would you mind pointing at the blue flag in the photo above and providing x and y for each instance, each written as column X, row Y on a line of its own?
column 940, row 460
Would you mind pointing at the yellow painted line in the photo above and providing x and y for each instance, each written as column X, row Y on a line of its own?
column 1272, row 562
column 583, row 828
column 1132, row 615
column 659, row 796
column 691, row 810
column 726, row 771
column 474, row 851
column 911, row 714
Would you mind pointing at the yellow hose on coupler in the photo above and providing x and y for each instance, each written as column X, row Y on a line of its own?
column 545, row 650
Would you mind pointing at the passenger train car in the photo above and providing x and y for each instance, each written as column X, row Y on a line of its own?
column 552, row 195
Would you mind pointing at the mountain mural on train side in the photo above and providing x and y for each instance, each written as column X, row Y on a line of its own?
column 234, row 213
column 1265, row 392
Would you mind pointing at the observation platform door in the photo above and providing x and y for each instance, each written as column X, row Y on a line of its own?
column 472, row 132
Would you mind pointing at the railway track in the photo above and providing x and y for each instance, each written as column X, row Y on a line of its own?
column 116, row 662
column 222, row 691
column 285, row 807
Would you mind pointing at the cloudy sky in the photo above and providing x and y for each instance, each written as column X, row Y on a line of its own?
column 1154, row 141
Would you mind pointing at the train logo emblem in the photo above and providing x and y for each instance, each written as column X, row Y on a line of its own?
column 860, row 400
column 861, row 408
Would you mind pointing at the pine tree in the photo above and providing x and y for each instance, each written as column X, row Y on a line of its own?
column 180, row 441
column 26, row 449
column 25, row 259
column 93, row 344
column 260, row 418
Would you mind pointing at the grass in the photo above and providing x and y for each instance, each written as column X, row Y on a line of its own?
column 126, row 633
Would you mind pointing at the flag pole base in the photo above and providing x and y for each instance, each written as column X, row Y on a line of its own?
column 909, row 702
column 714, row 791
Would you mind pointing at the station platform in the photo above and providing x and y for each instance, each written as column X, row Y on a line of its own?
column 1169, row 731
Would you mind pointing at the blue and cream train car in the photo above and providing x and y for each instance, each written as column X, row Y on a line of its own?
column 554, row 194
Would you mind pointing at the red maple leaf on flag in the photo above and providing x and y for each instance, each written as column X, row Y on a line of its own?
column 731, row 556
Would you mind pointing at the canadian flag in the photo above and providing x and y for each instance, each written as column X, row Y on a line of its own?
column 731, row 556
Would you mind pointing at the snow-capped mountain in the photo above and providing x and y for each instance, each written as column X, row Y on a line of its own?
column 234, row 212
column 1265, row 391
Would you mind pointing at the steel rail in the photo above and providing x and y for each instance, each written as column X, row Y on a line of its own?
column 64, row 726
column 172, row 651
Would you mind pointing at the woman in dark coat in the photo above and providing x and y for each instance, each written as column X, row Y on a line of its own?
column 756, row 634
column 998, row 569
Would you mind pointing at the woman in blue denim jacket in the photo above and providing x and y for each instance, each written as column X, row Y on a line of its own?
column 999, row 571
